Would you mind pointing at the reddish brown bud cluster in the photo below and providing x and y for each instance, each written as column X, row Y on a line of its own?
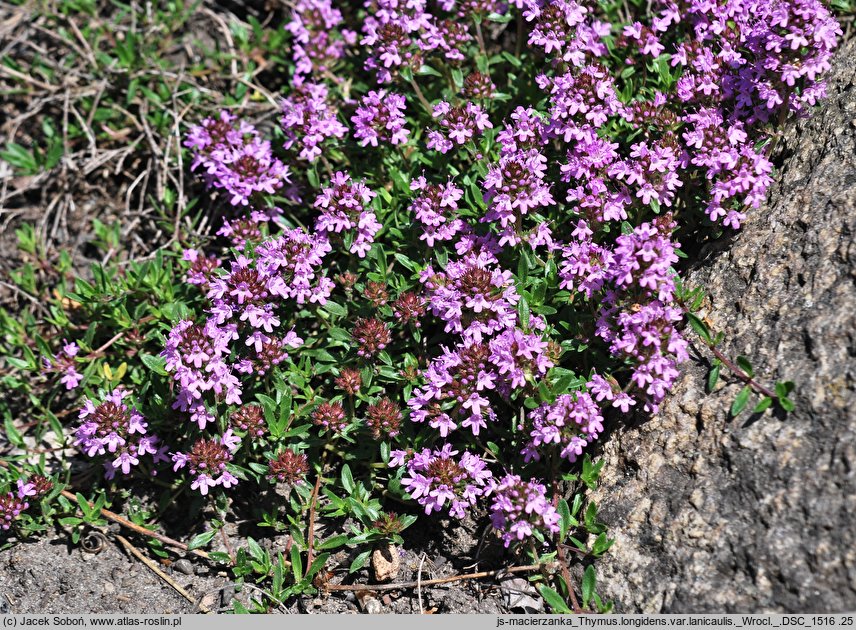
column 478, row 86
column 41, row 485
column 347, row 280
column 272, row 353
column 408, row 307
column 330, row 416
column 384, row 418
column 389, row 523
column 209, row 457
column 288, row 467
column 249, row 418
column 372, row 335
column 376, row 293
column 349, row 381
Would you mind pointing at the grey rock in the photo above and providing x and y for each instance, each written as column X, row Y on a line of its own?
column 227, row 593
column 183, row 566
column 757, row 513
column 520, row 594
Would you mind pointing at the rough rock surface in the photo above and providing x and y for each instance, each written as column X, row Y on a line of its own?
column 757, row 513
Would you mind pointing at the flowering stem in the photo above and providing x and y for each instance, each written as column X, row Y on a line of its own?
column 740, row 373
column 312, row 502
column 421, row 97
column 560, row 551
column 480, row 39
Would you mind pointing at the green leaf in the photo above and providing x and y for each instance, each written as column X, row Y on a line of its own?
column 18, row 156
column 765, row 403
column 347, row 479
column 784, row 388
column 84, row 505
column 523, row 313
column 335, row 309
column 156, row 364
column 255, row 550
column 588, row 584
column 360, row 561
column 296, row 564
column 428, row 70
column 744, row 364
column 713, row 378
column 787, row 404
column 514, row 60
column 18, row 363
column 565, row 523
column 523, row 270
column 601, row 544
column 577, row 504
column 317, row 565
column 333, row 542
column 500, row 18
column 13, row 435
column 219, row 556
column 200, row 540
column 699, row 327
column 239, row 608
column 740, row 402
column 554, row 599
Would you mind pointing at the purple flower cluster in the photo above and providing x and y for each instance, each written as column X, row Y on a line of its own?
column 437, row 479
column 207, row 462
column 244, row 309
column 733, row 166
column 64, row 363
column 458, row 125
column 345, row 209
column 520, row 508
column 662, row 115
column 380, row 119
column 308, row 120
column 474, row 296
column 436, row 209
column 13, row 503
column 758, row 55
column 460, row 381
column 235, row 159
column 319, row 43
column 293, row 262
column 637, row 318
column 395, row 34
column 564, row 30
column 569, row 424
column 516, row 187
column 113, row 427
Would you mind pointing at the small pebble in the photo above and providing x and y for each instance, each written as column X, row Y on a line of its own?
column 226, row 595
column 183, row 566
column 373, row 607
column 386, row 562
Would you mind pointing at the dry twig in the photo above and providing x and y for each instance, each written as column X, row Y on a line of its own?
column 156, row 570
column 446, row 580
